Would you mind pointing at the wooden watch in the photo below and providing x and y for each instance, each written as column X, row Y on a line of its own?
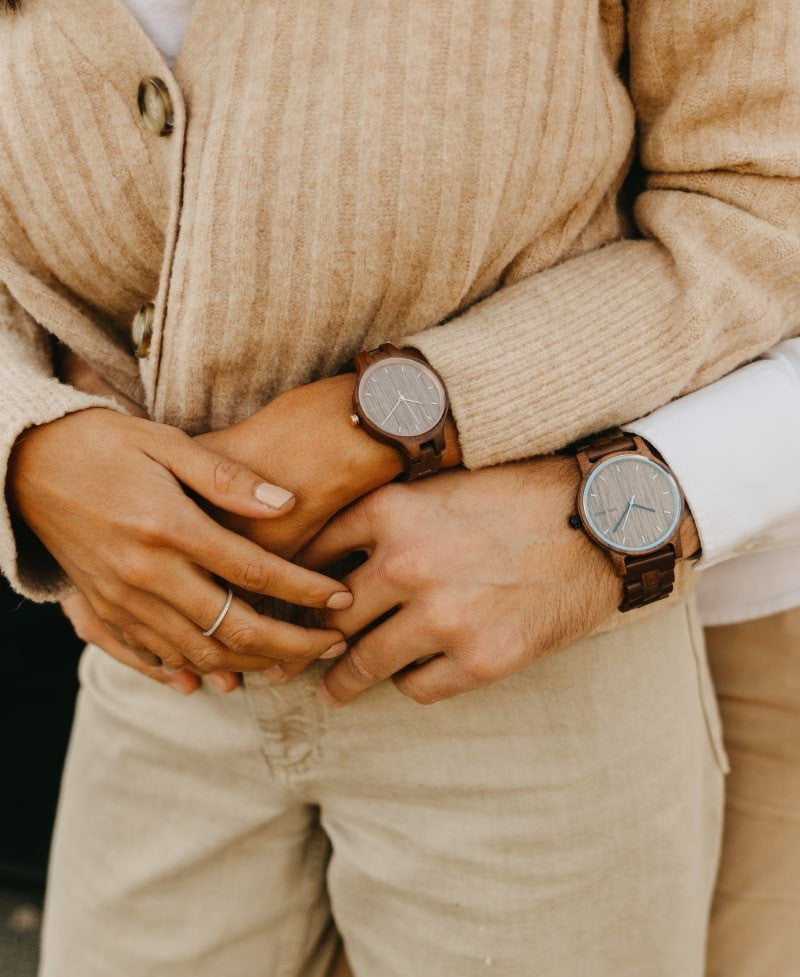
column 400, row 399
column 631, row 506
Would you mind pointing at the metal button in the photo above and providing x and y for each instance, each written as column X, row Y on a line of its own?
column 155, row 106
column 142, row 329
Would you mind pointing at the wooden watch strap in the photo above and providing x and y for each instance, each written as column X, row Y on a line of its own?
column 648, row 578
column 428, row 463
column 604, row 444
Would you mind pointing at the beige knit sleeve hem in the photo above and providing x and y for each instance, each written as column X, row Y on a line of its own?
column 30, row 397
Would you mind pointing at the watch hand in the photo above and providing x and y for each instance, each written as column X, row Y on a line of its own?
column 630, row 510
column 399, row 401
column 645, row 507
column 407, row 401
column 624, row 515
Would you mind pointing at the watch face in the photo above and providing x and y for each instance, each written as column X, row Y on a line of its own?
column 402, row 396
column 631, row 503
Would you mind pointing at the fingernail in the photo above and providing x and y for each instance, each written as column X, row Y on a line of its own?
column 335, row 650
column 221, row 682
column 183, row 684
column 171, row 669
column 276, row 673
column 340, row 600
column 272, row 496
column 325, row 697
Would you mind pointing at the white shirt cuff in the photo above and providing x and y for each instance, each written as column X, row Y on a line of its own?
column 735, row 449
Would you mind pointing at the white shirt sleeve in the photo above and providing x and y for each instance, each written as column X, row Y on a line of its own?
column 735, row 449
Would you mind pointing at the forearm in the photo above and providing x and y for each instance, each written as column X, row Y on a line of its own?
column 607, row 336
column 306, row 441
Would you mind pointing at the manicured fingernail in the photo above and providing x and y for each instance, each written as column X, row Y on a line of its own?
column 272, row 496
column 325, row 697
column 221, row 682
column 183, row 684
column 276, row 673
column 335, row 650
column 340, row 600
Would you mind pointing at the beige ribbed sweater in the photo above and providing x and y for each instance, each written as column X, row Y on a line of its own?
column 444, row 173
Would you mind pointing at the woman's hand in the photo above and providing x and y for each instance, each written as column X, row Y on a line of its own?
column 76, row 372
column 304, row 440
column 89, row 628
column 480, row 573
column 105, row 495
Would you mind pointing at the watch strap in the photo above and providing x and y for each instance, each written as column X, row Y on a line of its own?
column 648, row 578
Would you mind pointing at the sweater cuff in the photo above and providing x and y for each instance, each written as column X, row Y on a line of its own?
column 37, row 400
column 526, row 371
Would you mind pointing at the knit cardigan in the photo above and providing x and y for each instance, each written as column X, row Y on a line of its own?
column 446, row 174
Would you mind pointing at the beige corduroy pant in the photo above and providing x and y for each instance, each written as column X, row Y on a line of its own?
column 561, row 823
column 755, row 923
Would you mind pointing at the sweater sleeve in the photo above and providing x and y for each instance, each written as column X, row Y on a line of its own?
column 31, row 396
column 714, row 277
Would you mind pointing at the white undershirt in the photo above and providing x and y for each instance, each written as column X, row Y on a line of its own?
column 165, row 21
column 735, row 446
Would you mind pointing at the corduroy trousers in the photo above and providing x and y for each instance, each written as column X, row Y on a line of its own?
column 564, row 822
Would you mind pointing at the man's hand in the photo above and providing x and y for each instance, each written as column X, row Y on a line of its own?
column 480, row 573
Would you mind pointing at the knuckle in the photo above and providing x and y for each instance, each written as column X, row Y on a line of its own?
column 152, row 529
column 134, row 637
column 421, row 562
column 361, row 669
column 256, row 576
column 480, row 670
column 225, row 475
column 135, row 570
column 242, row 639
column 206, row 658
column 395, row 569
column 410, row 686
column 444, row 619
column 113, row 591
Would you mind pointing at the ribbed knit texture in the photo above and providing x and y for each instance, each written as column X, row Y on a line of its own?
column 442, row 173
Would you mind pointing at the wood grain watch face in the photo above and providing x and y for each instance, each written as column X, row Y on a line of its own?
column 401, row 396
column 631, row 503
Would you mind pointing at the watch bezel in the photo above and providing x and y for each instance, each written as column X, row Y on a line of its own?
column 383, row 433
column 603, row 541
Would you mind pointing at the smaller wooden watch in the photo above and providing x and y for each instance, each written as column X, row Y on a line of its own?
column 631, row 506
column 400, row 399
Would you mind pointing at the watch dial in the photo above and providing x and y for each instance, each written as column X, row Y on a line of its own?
column 632, row 503
column 402, row 396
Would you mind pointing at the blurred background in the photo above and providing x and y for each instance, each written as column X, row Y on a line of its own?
column 40, row 656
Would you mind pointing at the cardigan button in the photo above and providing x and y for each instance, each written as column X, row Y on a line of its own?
column 155, row 106
column 142, row 329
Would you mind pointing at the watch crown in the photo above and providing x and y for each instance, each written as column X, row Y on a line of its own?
column 575, row 522
column 354, row 420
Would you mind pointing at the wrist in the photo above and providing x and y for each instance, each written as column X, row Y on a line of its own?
column 690, row 538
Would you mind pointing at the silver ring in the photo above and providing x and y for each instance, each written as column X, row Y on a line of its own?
column 222, row 613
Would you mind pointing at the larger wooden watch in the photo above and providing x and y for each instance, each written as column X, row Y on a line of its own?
column 400, row 400
column 630, row 505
